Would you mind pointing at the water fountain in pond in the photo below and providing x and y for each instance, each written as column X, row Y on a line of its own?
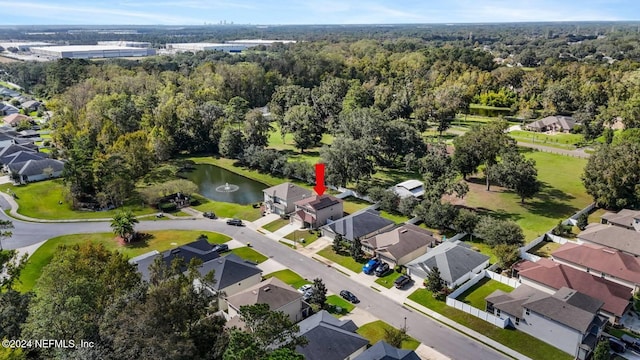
column 227, row 188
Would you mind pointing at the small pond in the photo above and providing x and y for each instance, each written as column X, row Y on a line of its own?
column 218, row 184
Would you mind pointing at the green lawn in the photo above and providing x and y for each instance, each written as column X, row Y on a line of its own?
column 560, row 140
column 308, row 237
column 160, row 241
column 562, row 195
column 544, row 249
column 288, row 277
column 276, row 141
column 395, row 217
column 475, row 295
column 516, row 340
column 387, row 280
column 336, row 300
column 352, row 204
column 41, row 200
column 374, row 332
column 227, row 210
column 248, row 253
column 595, row 215
column 478, row 245
column 275, row 225
column 346, row 261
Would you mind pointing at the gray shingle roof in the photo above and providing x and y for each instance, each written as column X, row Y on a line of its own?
column 272, row 292
column 287, row 191
column 612, row 236
column 36, row 167
column 329, row 338
column 22, row 157
column 359, row 224
column 228, row 270
column 453, row 261
column 559, row 308
column 383, row 351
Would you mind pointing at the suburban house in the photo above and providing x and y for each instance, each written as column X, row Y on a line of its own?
column 329, row 338
column 383, row 351
column 315, row 211
column 616, row 237
column 273, row 292
column 549, row 276
column 554, row 123
column 280, row 199
column 30, row 105
column 231, row 275
column 626, row 218
column 567, row 319
column 456, row 263
column 36, row 170
column 20, row 157
column 409, row 188
column 401, row 245
column 360, row 225
column 607, row 263
column 6, row 109
column 14, row 119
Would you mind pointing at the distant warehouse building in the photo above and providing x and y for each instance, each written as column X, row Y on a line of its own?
column 256, row 42
column 91, row 51
column 195, row 47
column 135, row 44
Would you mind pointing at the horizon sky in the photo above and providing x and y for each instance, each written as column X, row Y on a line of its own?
column 285, row 12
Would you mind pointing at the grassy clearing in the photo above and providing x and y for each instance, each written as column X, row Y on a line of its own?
column 475, row 295
column 353, row 204
column 227, row 210
column 562, row 195
column 288, row 277
column 346, row 261
column 516, row 340
column 374, row 332
column 275, row 225
column 336, row 300
column 559, row 140
column 159, row 240
column 249, row 254
column 307, row 235
column 387, row 280
column 395, row 217
column 544, row 249
column 41, row 200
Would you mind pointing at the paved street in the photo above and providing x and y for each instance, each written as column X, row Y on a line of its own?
column 426, row 330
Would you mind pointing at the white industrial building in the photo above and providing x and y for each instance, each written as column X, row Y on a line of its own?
column 134, row 44
column 91, row 51
column 194, row 47
column 256, row 42
column 23, row 45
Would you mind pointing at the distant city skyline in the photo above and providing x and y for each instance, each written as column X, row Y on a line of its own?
column 287, row 12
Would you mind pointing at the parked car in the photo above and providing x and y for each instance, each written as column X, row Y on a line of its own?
column 304, row 288
column 401, row 281
column 235, row 222
column 382, row 269
column 209, row 215
column 348, row 295
column 221, row 248
column 370, row 266
column 617, row 345
column 633, row 343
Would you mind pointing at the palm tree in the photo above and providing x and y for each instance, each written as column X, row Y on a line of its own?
column 123, row 224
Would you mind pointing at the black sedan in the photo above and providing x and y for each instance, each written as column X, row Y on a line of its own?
column 348, row 295
column 235, row 222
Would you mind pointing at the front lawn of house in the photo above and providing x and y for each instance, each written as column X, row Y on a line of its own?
column 346, row 261
column 387, row 280
column 516, row 340
column 336, row 300
column 159, row 240
column 288, row 277
column 374, row 332
column 275, row 225
column 559, row 140
column 249, row 254
column 47, row 200
column 475, row 295
column 308, row 237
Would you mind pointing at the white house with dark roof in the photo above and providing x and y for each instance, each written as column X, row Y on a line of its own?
column 384, row 351
column 361, row 225
column 555, row 123
column 400, row 245
column 567, row 319
column 273, row 292
column 329, row 338
column 314, row 212
column 456, row 263
column 280, row 199
column 36, row 170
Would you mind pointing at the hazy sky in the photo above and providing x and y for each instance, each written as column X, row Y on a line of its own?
column 195, row 12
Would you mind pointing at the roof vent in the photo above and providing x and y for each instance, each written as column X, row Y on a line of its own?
column 609, row 251
column 175, row 251
column 254, row 292
column 403, row 231
column 267, row 289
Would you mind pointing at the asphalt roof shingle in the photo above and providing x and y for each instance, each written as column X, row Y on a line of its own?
column 453, row 261
column 359, row 224
column 329, row 338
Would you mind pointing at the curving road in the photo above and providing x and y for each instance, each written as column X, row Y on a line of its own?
column 447, row 341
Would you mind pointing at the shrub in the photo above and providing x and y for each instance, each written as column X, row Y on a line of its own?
column 167, row 207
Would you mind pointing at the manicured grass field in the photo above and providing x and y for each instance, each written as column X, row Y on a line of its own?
column 374, row 332
column 228, row 210
column 288, row 277
column 561, row 196
column 387, row 280
column 248, row 253
column 308, row 237
column 41, row 200
column 475, row 295
column 336, row 300
column 395, row 217
column 346, row 261
column 275, row 225
column 560, row 140
column 544, row 249
column 517, row 340
column 160, row 241
column 352, row 204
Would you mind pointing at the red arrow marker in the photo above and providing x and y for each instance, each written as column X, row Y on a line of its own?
column 320, row 188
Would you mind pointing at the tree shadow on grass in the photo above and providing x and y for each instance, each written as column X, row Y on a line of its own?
column 141, row 241
column 551, row 202
column 499, row 214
